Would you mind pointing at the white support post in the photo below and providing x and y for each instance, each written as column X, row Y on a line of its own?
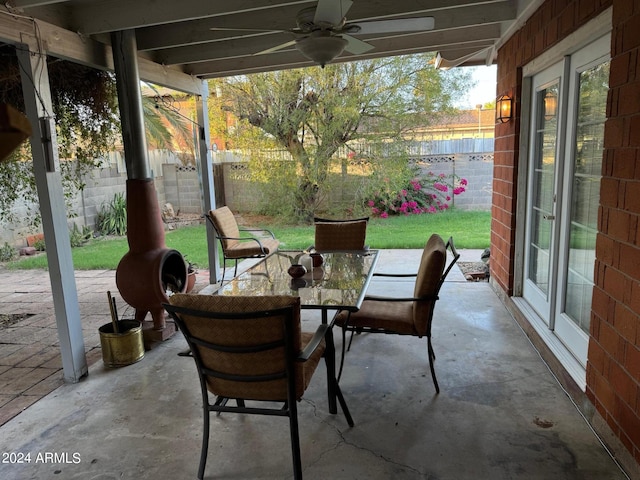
column 205, row 172
column 39, row 110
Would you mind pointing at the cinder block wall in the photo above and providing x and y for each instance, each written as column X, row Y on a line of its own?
column 174, row 183
column 182, row 188
column 100, row 188
column 613, row 369
column 476, row 168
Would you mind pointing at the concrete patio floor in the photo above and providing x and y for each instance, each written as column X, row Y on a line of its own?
column 500, row 413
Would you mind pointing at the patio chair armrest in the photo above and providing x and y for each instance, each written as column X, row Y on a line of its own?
column 240, row 238
column 257, row 240
column 375, row 298
column 208, row 218
column 257, row 230
column 313, row 343
column 245, row 239
column 396, row 275
column 222, row 237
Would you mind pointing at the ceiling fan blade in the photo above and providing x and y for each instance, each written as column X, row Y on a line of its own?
column 225, row 29
column 356, row 46
column 331, row 11
column 276, row 48
column 392, row 26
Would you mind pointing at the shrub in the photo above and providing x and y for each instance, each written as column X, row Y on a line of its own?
column 79, row 237
column 39, row 245
column 7, row 252
column 112, row 219
column 430, row 194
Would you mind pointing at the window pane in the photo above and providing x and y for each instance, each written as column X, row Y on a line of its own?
column 591, row 115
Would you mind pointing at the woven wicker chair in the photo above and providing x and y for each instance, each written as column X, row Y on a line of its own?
column 405, row 316
column 251, row 349
column 340, row 235
column 235, row 246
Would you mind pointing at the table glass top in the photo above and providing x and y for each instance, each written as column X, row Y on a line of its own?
column 340, row 282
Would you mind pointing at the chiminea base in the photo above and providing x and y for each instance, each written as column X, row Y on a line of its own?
column 152, row 337
column 156, row 330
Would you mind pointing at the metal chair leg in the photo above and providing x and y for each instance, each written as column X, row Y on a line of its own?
column 205, row 444
column 343, row 404
column 432, row 357
column 295, row 441
column 344, row 338
column 224, row 269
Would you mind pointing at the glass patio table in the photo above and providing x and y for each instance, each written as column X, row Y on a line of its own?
column 340, row 283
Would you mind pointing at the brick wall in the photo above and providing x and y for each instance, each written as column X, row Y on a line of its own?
column 613, row 369
column 503, row 209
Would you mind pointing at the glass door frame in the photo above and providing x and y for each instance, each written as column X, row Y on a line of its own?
column 571, row 335
column 544, row 302
column 586, row 35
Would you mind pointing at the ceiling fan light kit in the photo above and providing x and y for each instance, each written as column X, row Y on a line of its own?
column 321, row 48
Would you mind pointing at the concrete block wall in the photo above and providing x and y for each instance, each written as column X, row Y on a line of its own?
column 101, row 187
column 477, row 169
column 182, row 188
column 189, row 196
column 170, row 183
column 102, row 184
column 239, row 195
column 179, row 185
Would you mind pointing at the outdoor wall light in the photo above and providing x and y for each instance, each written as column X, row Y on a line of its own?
column 550, row 105
column 503, row 109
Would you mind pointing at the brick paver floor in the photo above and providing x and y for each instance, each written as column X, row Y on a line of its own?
column 30, row 362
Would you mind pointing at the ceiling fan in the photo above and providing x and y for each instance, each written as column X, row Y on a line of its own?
column 323, row 32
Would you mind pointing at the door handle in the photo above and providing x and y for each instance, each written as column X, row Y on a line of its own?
column 549, row 217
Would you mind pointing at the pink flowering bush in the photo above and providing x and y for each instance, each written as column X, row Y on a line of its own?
column 429, row 194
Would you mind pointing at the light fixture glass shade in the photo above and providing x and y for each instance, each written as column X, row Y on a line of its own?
column 503, row 109
column 550, row 105
column 321, row 48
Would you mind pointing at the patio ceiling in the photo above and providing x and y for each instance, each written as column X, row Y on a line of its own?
column 178, row 36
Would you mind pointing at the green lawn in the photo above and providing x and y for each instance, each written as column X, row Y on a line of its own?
column 469, row 230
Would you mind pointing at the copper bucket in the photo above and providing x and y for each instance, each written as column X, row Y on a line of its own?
column 122, row 348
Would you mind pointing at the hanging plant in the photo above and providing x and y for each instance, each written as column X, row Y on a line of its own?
column 87, row 127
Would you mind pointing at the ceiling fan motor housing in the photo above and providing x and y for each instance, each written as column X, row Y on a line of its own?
column 305, row 21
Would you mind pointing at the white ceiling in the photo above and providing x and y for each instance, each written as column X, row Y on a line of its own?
column 177, row 35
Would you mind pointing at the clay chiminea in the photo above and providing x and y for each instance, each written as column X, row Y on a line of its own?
column 149, row 268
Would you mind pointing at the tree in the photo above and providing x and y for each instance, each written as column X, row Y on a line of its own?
column 314, row 112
